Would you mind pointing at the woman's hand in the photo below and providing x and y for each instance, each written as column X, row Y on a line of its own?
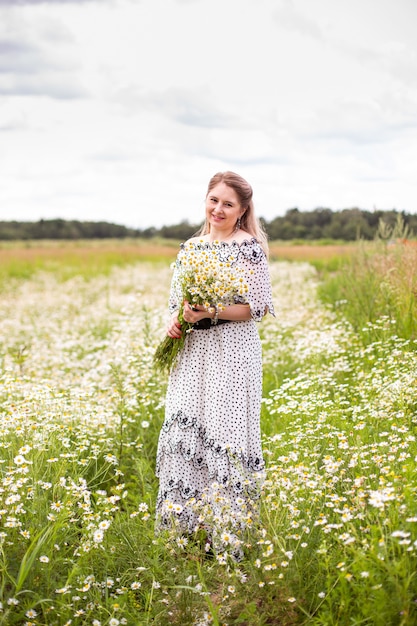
column 194, row 313
column 174, row 327
column 191, row 314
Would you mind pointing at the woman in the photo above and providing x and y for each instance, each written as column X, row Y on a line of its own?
column 209, row 459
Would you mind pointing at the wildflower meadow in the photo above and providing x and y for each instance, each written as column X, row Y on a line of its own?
column 81, row 406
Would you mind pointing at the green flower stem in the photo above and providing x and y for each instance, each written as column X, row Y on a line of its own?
column 168, row 350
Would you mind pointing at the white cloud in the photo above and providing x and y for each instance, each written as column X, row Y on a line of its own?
column 188, row 106
column 289, row 17
column 14, row 3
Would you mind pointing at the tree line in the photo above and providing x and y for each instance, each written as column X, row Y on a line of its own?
column 320, row 223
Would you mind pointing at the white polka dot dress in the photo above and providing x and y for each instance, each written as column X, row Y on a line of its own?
column 210, row 440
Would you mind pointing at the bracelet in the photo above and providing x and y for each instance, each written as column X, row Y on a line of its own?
column 215, row 319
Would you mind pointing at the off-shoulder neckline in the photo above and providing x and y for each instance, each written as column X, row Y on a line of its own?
column 210, row 244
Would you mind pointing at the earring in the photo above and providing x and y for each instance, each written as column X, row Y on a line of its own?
column 238, row 223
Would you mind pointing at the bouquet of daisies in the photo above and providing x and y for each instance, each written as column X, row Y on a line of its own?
column 202, row 278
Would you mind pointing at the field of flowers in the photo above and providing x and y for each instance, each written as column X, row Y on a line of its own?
column 80, row 411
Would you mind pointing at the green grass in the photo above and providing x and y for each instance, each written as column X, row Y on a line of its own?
column 80, row 411
column 378, row 281
column 66, row 259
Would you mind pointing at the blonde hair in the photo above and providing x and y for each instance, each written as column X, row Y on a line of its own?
column 248, row 221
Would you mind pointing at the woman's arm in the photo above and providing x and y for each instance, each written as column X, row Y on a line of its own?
column 233, row 312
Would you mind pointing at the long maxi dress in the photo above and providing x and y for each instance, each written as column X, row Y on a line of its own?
column 209, row 458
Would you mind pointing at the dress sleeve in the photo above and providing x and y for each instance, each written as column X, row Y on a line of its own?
column 259, row 297
column 175, row 293
column 173, row 301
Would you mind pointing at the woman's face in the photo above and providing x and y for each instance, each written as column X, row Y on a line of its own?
column 223, row 208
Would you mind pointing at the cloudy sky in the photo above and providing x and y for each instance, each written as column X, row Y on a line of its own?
column 121, row 110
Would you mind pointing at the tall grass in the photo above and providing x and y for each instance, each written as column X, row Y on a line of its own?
column 80, row 412
column 378, row 281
